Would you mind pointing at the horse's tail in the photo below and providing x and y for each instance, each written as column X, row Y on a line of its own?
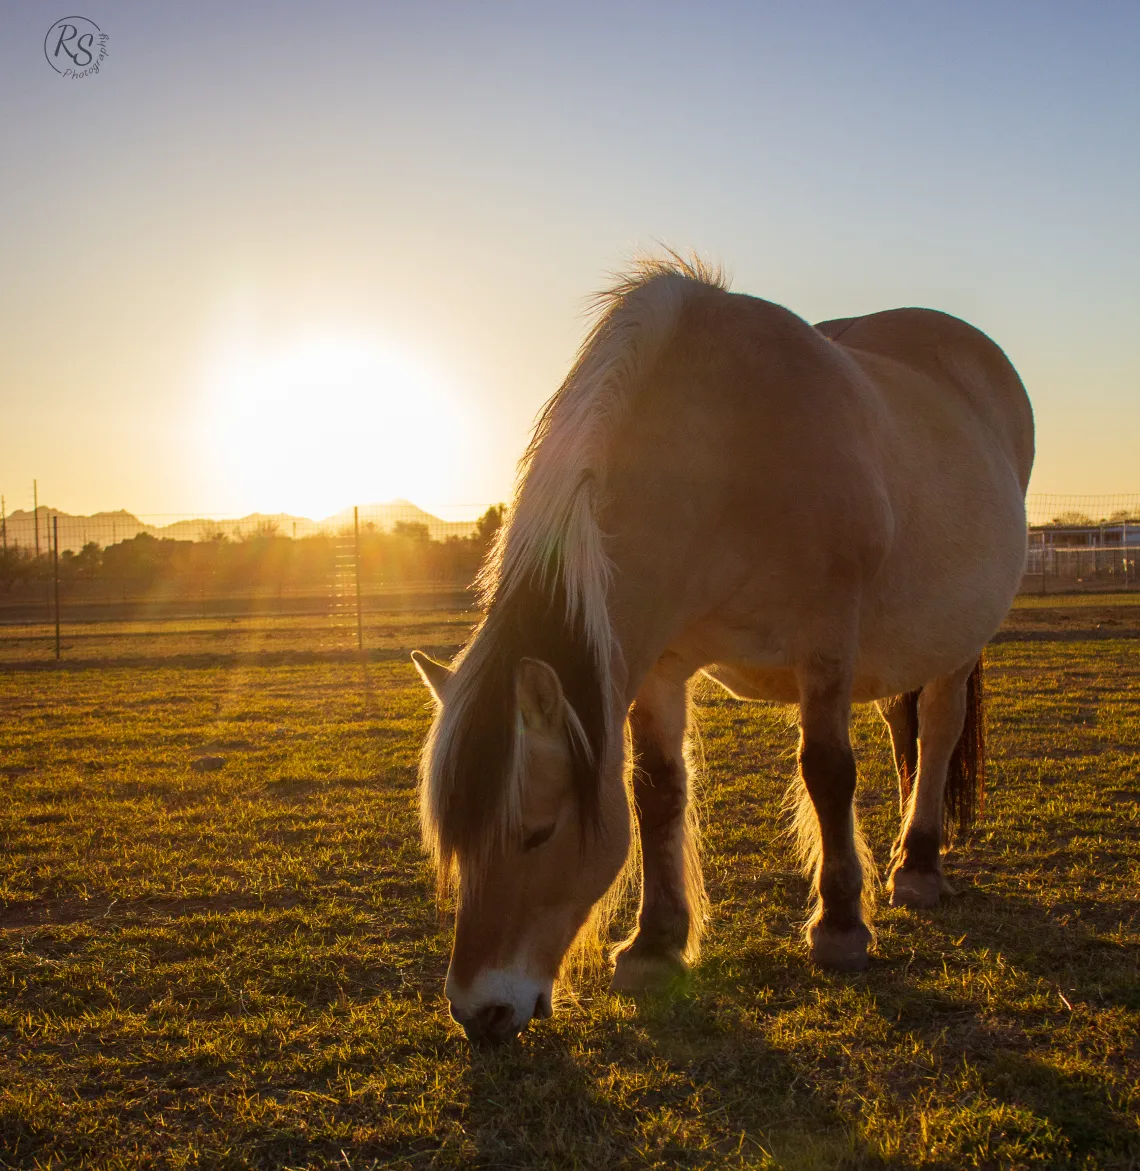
column 966, row 776
column 904, row 718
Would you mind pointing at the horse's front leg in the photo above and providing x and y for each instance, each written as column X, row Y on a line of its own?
column 833, row 850
column 672, row 899
column 916, row 863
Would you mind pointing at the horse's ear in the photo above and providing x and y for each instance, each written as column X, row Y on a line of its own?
column 434, row 674
column 539, row 695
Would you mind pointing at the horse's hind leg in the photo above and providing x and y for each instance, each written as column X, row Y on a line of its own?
column 916, row 864
column 832, row 848
column 672, row 901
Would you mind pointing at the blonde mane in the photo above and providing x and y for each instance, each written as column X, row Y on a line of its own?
column 552, row 521
column 550, row 554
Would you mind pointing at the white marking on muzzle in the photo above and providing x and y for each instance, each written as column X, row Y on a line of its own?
column 524, row 995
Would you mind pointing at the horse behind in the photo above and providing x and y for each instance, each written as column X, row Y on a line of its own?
column 811, row 515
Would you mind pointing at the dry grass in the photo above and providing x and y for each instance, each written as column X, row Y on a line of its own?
column 244, row 967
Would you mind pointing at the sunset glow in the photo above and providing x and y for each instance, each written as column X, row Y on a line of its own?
column 414, row 239
column 311, row 424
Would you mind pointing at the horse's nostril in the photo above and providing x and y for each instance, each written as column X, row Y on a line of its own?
column 493, row 1022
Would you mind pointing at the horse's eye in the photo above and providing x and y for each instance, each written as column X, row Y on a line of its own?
column 537, row 837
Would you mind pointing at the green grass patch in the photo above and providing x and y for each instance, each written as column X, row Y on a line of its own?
column 243, row 967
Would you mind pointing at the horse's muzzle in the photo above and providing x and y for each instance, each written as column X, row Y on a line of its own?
column 493, row 1024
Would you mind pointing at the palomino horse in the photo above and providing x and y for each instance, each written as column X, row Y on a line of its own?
column 812, row 515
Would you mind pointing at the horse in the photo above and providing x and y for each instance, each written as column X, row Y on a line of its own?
column 812, row 515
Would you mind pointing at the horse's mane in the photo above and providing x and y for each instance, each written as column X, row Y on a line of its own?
column 544, row 585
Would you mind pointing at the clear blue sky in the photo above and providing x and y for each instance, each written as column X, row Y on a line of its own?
column 440, row 185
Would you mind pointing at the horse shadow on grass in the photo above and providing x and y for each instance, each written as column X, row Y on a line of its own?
column 1070, row 946
column 666, row 1081
column 1061, row 988
column 741, row 1066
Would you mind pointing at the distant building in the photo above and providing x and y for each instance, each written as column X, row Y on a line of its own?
column 1094, row 554
column 1085, row 534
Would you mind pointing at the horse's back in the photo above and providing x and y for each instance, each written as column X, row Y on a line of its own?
column 959, row 357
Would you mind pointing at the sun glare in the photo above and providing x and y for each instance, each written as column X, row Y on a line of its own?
column 318, row 424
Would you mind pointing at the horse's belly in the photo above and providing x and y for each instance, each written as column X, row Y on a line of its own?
column 928, row 611
column 899, row 650
column 779, row 684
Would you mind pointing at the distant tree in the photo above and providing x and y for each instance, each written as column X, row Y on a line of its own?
column 84, row 565
column 1072, row 518
column 142, row 559
column 489, row 524
column 15, row 566
column 413, row 531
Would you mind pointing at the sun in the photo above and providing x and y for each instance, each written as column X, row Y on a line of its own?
column 322, row 422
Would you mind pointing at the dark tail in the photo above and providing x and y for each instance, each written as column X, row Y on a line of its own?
column 966, row 778
column 906, row 753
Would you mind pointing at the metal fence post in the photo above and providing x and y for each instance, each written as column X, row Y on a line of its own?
column 356, row 553
column 55, row 571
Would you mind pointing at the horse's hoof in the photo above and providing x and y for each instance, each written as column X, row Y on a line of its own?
column 638, row 973
column 841, row 951
column 921, row 889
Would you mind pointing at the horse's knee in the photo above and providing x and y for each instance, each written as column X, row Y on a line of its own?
column 829, row 761
column 837, row 932
column 829, row 774
column 661, row 794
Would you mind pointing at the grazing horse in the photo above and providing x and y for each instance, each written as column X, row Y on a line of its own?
column 811, row 515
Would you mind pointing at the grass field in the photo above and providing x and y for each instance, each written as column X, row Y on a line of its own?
column 264, row 638
column 243, row 967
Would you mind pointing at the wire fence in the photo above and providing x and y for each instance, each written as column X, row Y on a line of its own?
column 110, row 584
column 1097, row 568
column 116, row 584
column 1044, row 510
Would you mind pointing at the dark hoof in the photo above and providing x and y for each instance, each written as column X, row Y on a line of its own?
column 840, row 951
column 920, row 889
column 642, row 973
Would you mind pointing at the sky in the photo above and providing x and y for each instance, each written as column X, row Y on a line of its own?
column 288, row 257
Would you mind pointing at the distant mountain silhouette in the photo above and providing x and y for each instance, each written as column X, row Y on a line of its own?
column 386, row 516
column 108, row 528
